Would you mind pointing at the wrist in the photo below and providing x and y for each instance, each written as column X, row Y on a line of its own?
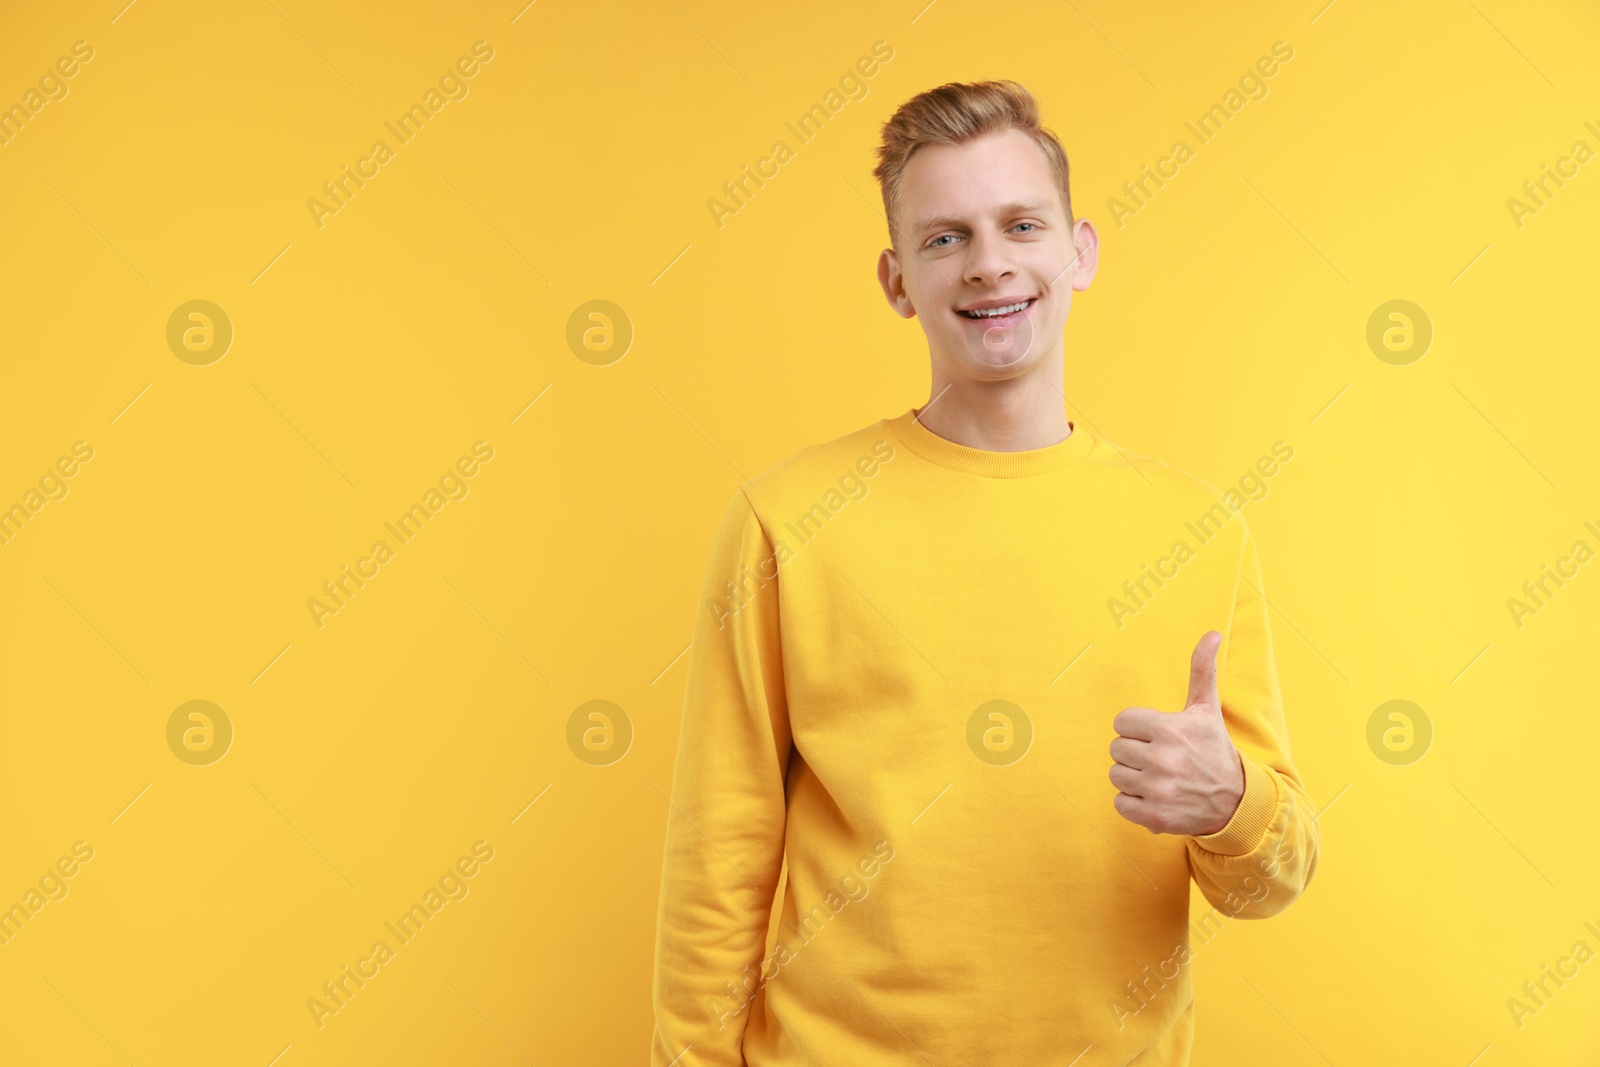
column 1234, row 797
column 1250, row 821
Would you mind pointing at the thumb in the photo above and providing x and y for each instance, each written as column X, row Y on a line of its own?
column 1203, row 672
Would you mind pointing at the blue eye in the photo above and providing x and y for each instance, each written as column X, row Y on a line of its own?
column 1021, row 224
column 934, row 243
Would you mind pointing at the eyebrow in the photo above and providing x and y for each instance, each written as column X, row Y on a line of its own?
column 1021, row 207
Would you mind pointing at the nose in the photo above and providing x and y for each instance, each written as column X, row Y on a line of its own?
column 988, row 259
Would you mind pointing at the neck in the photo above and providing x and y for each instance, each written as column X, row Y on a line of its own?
column 1014, row 415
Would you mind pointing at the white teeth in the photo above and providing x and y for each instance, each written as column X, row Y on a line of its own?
column 988, row 313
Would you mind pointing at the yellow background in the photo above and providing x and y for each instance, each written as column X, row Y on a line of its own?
column 432, row 309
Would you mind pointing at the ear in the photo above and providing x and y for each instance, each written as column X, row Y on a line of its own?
column 1086, row 250
column 893, row 283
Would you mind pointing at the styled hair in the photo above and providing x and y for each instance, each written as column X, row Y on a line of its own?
column 954, row 114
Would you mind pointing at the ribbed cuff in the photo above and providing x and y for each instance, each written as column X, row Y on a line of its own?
column 1250, row 819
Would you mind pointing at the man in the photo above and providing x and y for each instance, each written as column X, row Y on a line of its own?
column 917, row 644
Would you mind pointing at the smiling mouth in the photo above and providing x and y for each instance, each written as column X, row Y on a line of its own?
column 1000, row 315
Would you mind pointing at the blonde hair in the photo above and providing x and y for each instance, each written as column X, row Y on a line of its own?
column 954, row 114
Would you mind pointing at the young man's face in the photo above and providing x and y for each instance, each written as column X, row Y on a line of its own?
column 982, row 225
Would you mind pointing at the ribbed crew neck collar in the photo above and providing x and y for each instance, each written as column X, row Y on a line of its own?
column 946, row 453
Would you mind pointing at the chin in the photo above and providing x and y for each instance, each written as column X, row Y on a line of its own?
column 989, row 365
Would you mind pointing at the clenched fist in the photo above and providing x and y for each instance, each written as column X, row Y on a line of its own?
column 1179, row 773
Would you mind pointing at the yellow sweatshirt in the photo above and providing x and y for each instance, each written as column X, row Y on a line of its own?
column 906, row 662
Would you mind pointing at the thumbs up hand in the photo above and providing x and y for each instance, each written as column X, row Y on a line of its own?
column 1179, row 773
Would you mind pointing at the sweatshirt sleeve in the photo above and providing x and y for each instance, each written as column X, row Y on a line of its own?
column 1264, row 858
column 725, row 821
